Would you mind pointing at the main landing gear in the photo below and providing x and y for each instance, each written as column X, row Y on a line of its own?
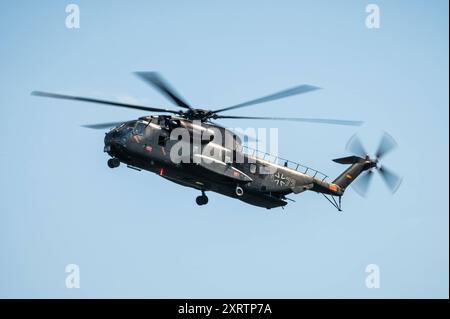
column 202, row 199
column 113, row 163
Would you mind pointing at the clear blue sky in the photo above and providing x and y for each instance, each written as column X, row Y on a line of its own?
column 134, row 234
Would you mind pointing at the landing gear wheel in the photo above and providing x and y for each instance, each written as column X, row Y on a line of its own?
column 201, row 200
column 113, row 163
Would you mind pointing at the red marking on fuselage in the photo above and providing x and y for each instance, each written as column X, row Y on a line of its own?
column 333, row 187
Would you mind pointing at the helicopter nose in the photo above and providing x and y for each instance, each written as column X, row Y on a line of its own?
column 115, row 140
column 108, row 141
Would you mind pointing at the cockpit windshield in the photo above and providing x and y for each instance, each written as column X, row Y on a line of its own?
column 139, row 128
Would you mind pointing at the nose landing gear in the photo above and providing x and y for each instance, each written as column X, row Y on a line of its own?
column 113, row 163
column 202, row 199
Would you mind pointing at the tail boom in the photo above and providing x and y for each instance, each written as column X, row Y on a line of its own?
column 358, row 165
column 338, row 186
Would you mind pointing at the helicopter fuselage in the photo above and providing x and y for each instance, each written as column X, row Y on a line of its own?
column 150, row 143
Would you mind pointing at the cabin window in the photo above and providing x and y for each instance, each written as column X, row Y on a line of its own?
column 263, row 169
column 228, row 158
column 161, row 120
column 252, row 168
column 196, row 150
column 162, row 140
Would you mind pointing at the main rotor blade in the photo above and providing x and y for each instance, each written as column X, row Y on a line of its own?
column 362, row 182
column 156, row 80
column 100, row 126
column 392, row 180
column 295, row 119
column 279, row 95
column 355, row 147
column 86, row 99
column 386, row 145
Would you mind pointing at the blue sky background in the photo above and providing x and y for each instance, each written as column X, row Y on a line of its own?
column 134, row 234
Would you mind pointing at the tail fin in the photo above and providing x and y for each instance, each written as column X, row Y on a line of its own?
column 358, row 165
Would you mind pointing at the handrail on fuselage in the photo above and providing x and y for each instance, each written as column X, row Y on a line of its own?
column 281, row 162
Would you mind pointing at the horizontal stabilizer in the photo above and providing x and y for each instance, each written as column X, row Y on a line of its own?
column 349, row 160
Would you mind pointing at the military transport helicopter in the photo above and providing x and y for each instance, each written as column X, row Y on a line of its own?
column 258, row 178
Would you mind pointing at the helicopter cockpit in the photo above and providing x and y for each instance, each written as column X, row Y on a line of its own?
column 139, row 128
column 160, row 126
column 167, row 122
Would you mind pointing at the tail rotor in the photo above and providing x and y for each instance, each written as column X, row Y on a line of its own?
column 386, row 145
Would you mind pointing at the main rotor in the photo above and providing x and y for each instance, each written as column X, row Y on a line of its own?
column 190, row 113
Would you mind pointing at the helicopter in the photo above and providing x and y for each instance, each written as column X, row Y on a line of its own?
column 188, row 148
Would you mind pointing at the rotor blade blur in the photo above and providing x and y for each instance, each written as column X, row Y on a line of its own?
column 355, row 146
column 392, row 180
column 156, row 80
column 86, row 99
column 276, row 96
column 100, row 126
column 243, row 135
column 294, row 119
column 362, row 182
column 386, row 145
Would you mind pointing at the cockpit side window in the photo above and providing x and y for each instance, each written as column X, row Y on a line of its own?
column 228, row 156
column 162, row 140
column 139, row 129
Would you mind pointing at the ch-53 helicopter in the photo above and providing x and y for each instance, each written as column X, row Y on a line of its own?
column 212, row 164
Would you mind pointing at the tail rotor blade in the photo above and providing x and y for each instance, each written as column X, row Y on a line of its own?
column 355, row 146
column 392, row 180
column 386, row 145
column 361, row 184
